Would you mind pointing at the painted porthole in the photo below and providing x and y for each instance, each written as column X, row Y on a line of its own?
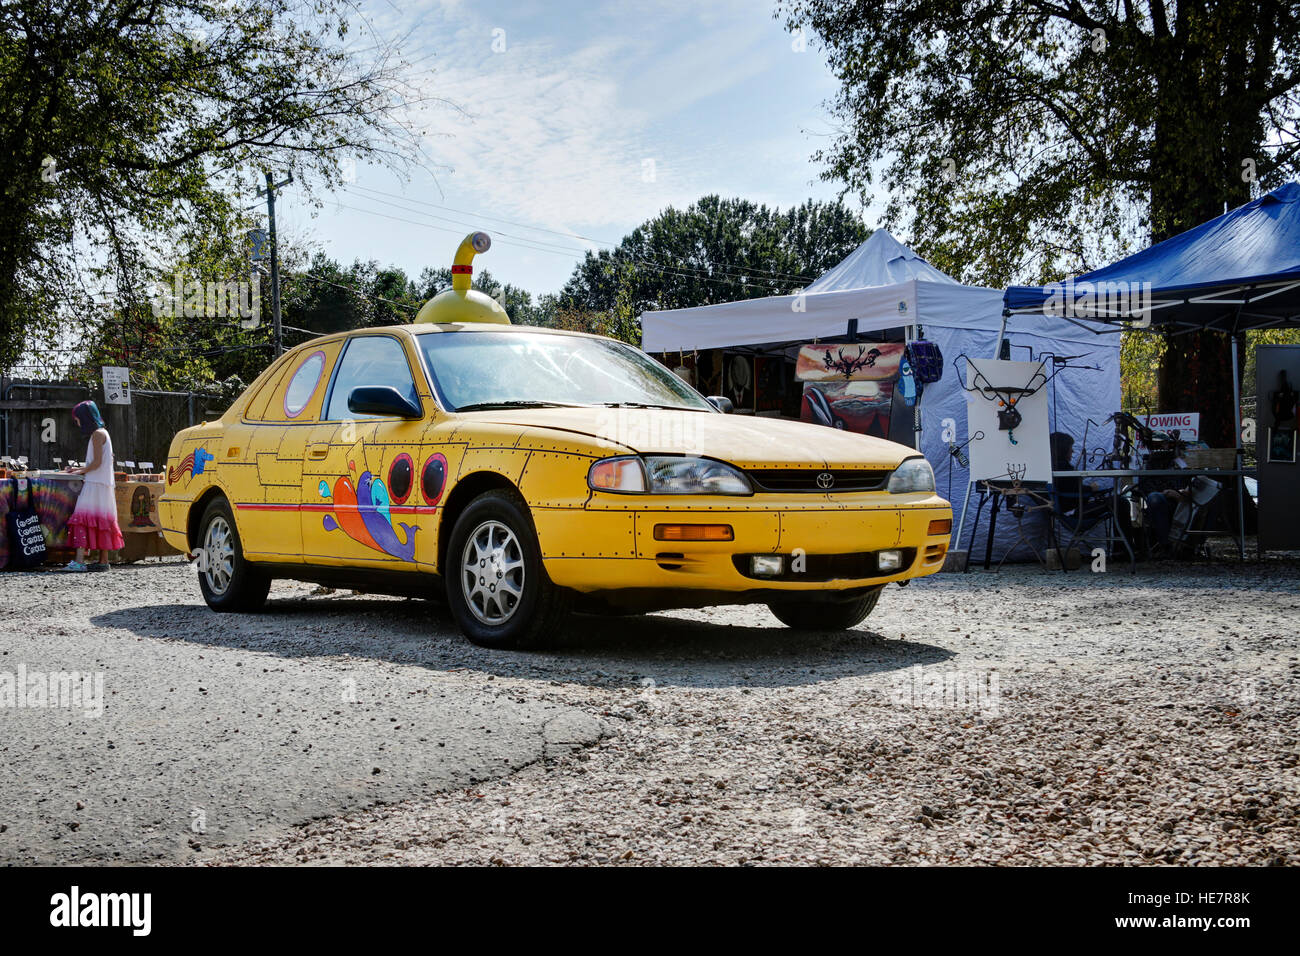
column 302, row 384
column 433, row 478
column 401, row 474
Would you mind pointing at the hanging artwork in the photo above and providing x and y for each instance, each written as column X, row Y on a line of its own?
column 862, row 407
column 708, row 371
column 684, row 367
column 849, row 362
column 1007, row 402
column 1283, row 401
column 1282, row 434
column 740, row 380
column 769, row 382
column 1281, row 446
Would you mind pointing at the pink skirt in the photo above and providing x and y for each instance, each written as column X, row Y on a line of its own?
column 94, row 524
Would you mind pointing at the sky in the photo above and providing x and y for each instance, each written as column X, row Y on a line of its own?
column 575, row 122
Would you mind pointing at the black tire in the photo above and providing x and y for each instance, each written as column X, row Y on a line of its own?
column 513, row 603
column 825, row 614
column 227, row 580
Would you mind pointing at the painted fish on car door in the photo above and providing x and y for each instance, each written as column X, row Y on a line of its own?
column 363, row 512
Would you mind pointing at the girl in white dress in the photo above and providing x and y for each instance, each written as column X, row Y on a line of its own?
column 93, row 525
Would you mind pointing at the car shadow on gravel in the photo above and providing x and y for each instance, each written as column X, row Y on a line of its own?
column 636, row 651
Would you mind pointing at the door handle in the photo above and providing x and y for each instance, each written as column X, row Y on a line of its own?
column 318, row 451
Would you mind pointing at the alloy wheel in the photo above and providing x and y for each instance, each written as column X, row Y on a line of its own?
column 219, row 552
column 492, row 573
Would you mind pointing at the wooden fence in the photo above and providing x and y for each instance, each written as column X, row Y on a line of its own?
column 36, row 422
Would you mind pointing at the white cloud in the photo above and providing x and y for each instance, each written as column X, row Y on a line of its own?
column 560, row 126
column 560, row 136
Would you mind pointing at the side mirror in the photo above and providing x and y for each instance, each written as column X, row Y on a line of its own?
column 382, row 400
column 722, row 404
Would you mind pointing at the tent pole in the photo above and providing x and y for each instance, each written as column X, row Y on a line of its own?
column 961, row 524
column 1239, row 457
column 1002, row 332
column 910, row 335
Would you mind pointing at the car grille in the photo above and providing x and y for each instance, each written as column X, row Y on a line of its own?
column 810, row 480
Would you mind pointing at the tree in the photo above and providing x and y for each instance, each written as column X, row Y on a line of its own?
column 319, row 296
column 128, row 124
column 324, row 296
column 715, row 250
column 1032, row 139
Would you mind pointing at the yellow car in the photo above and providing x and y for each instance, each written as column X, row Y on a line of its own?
column 528, row 472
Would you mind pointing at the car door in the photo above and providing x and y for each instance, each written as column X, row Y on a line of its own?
column 359, row 483
column 262, row 457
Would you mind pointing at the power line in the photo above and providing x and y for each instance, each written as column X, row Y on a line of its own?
column 696, row 275
column 347, row 288
column 572, row 235
column 750, row 275
column 510, row 222
column 540, row 242
column 374, row 212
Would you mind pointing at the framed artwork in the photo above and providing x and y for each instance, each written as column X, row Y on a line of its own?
column 862, row 407
column 769, row 382
column 740, row 380
column 1281, row 446
column 849, row 362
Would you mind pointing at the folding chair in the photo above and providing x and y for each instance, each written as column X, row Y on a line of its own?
column 1081, row 514
column 1197, row 518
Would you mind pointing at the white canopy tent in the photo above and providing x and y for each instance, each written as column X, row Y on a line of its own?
column 877, row 284
column 884, row 285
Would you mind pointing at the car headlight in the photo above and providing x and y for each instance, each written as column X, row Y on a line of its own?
column 915, row 474
column 667, row 475
column 694, row 476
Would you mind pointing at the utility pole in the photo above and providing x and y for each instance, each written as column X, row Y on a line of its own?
column 269, row 193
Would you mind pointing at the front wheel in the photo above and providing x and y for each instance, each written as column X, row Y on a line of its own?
column 823, row 614
column 497, row 587
column 228, row 581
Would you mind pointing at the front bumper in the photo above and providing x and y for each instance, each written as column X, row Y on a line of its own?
column 609, row 545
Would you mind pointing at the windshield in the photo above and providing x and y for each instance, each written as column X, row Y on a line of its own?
column 511, row 369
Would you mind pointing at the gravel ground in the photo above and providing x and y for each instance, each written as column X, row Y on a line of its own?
column 210, row 729
column 1020, row 717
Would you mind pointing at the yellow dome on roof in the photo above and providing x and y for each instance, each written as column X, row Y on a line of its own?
column 461, row 303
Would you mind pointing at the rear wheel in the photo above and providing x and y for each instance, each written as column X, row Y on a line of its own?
column 823, row 614
column 228, row 581
column 497, row 587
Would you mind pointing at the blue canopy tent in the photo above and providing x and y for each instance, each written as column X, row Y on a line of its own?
column 1237, row 272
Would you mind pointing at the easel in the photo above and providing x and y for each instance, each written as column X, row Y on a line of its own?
column 1021, row 501
column 1009, row 419
column 965, row 505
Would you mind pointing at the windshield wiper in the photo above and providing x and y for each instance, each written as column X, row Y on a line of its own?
column 675, row 408
column 484, row 406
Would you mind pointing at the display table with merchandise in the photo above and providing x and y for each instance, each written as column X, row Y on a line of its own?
column 1122, row 480
column 54, row 497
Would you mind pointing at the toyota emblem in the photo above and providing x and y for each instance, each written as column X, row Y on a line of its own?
column 825, row 480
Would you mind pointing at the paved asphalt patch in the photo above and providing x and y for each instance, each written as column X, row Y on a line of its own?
column 205, row 739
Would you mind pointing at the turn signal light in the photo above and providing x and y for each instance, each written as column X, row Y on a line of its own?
column 941, row 527
column 693, row 532
column 617, row 474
